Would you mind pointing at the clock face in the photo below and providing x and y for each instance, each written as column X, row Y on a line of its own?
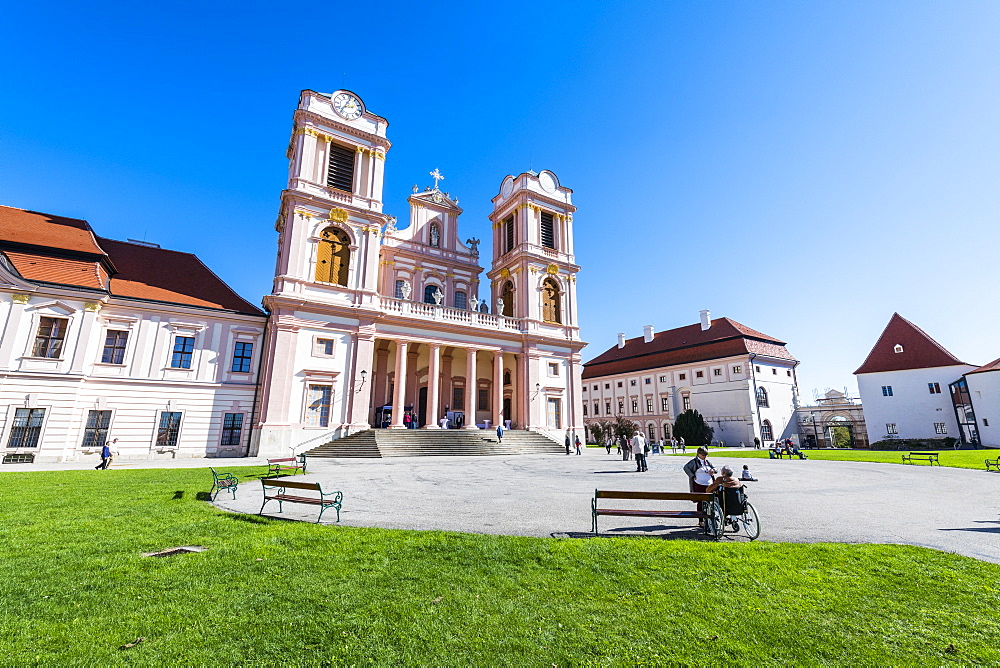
column 348, row 106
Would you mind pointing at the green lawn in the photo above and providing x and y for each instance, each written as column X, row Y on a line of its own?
column 74, row 588
column 964, row 459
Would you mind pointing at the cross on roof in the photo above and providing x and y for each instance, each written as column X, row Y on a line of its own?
column 436, row 175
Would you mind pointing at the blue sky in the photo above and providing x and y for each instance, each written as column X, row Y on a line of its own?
column 803, row 168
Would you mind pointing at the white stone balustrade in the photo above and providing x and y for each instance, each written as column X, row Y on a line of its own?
column 423, row 311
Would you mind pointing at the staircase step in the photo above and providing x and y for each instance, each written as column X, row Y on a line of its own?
column 374, row 443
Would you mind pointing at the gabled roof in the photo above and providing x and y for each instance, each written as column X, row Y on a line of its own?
column 919, row 351
column 992, row 366
column 686, row 345
column 43, row 248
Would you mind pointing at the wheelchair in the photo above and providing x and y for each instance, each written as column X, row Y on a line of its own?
column 732, row 512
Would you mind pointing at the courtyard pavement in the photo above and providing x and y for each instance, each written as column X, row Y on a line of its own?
column 955, row 510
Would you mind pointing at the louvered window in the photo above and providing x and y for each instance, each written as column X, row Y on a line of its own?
column 341, row 174
column 548, row 231
column 508, row 232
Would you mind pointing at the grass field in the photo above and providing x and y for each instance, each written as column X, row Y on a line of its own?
column 74, row 589
column 964, row 459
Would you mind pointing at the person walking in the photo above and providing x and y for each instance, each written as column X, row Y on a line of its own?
column 756, row 443
column 607, row 444
column 569, row 442
column 105, row 455
column 626, row 449
column 681, row 444
column 500, row 432
column 578, row 444
column 639, row 450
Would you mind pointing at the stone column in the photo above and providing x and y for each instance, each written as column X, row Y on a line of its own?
column 399, row 395
column 433, row 374
column 470, row 388
column 498, row 416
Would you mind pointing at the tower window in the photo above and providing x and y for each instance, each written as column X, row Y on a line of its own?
column 461, row 300
column 766, row 433
column 507, row 295
column 334, row 257
column 398, row 292
column 762, row 400
column 429, row 292
column 551, row 302
column 341, row 173
column 508, row 235
column 548, row 231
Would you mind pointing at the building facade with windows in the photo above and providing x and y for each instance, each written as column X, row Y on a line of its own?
column 742, row 381
column 977, row 404
column 110, row 339
column 375, row 325
column 905, row 385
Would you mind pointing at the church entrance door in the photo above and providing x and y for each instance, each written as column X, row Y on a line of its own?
column 507, row 414
column 422, row 408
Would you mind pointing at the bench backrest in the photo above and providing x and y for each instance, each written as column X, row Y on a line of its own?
column 295, row 484
column 284, row 459
column 924, row 453
column 653, row 496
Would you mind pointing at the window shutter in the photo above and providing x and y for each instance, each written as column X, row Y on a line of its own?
column 324, row 261
column 341, row 172
column 508, row 226
column 548, row 231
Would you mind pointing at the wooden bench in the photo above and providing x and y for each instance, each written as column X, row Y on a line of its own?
column 993, row 463
column 929, row 457
column 221, row 481
column 275, row 490
column 652, row 496
column 293, row 464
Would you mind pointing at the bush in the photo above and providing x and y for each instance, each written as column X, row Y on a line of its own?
column 915, row 444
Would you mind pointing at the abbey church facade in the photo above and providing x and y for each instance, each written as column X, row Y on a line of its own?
column 372, row 322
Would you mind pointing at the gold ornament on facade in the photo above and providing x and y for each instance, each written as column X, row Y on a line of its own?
column 338, row 215
column 92, row 306
column 552, row 269
column 304, row 213
column 20, row 299
column 505, row 273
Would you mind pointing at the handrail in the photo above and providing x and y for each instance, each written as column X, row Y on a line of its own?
column 328, row 435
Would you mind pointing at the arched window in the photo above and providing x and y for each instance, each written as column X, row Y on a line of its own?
column 762, row 397
column 334, row 256
column 507, row 295
column 666, row 431
column 435, row 235
column 551, row 301
column 506, row 377
column 652, row 431
column 429, row 293
column 765, row 431
column 461, row 300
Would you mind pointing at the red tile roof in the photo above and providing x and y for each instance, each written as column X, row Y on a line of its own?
column 52, row 249
column 164, row 275
column 686, row 345
column 920, row 351
column 992, row 366
column 48, row 231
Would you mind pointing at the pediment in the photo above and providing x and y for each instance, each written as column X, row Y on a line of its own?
column 57, row 307
column 436, row 198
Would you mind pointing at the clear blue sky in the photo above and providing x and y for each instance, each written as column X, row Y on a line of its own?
column 803, row 168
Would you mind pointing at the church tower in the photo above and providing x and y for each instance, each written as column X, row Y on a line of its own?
column 533, row 276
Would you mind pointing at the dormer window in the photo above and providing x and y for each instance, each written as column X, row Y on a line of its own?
column 341, row 172
column 898, row 348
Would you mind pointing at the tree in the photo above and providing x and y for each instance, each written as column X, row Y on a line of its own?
column 691, row 426
column 623, row 427
column 601, row 431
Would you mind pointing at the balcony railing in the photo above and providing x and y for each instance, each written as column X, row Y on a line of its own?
column 450, row 315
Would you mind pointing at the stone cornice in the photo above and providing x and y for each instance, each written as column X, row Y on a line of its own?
column 303, row 116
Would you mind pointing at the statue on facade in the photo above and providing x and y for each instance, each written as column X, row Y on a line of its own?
column 437, row 296
column 474, row 245
column 390, row 226
column 474, row 302
column 499, row 310
column 435, row 236
column 405, row 290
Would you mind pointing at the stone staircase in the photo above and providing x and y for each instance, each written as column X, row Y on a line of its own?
column 436, row 443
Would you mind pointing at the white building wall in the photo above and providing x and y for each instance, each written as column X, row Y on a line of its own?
column 912, row 407
column 984, row 389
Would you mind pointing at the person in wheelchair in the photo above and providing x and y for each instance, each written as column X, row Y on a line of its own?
column 730, row 492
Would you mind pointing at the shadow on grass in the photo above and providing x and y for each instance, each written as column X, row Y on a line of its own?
column 656, row 532
column 179, row 494
column 201, row 496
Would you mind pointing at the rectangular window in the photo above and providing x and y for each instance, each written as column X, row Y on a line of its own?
column 595, row 388
column 553, row 368
column 687, row 402
column 621, row 406
column 398, row 290
column 49, row 340
column 548, row 231
column 241, row 357
column 183, row 352
column 585, row 410
column 986, row 422
column 458, row 398
column 934, row 388
column 788, row 372
column 649, row 381
column 607, row 408
column 508, row 235
column 649, row 405
column 484, row 400
column 341, row 173
column 26, row 428
column 619, row 383
column 631, row 383
column 756, row 368
column 597, row 409
column 940, row 428
column 664, row 406
column 699, row 374
column 555, row 413
column 774, row 372
column 461, row 300
column 635, row 405
column 318, row 405
column 323, row 347
column 890, row 428
column 716, row 372
column 663, row 379
column 232, row 426
column 683, row 376
column 607, row 386
column 169, row 429
column 114, row 347
column 96, row 431
column 737, row 369
column 887, row 390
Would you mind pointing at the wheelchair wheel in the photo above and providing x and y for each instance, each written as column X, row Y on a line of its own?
column 750, row 523
column 715, row 524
